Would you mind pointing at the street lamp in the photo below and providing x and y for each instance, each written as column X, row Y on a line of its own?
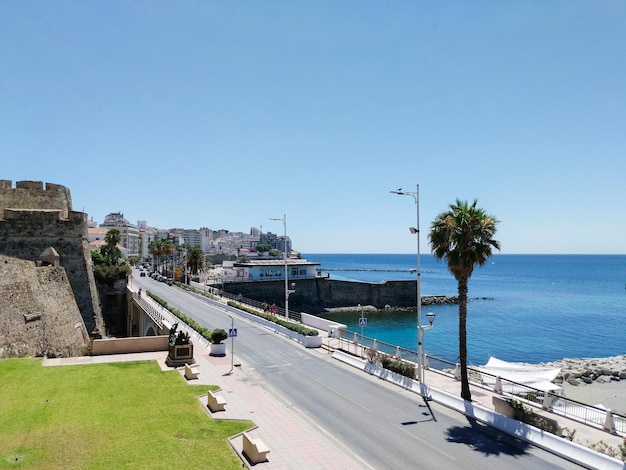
column 431, row 316
column 420, row 340
column 287, row 291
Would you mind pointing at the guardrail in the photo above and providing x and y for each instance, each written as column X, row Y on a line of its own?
column 156, row 316
column 363, row 347
column 293, row 315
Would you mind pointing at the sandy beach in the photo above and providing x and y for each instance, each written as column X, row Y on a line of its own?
column 611, row 395
column 595, row 381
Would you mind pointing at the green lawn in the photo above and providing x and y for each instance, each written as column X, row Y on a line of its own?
column 107, row 416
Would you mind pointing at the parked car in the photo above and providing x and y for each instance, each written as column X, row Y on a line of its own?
column 142, row 274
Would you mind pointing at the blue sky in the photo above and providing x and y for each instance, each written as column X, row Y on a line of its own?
column 226, row 114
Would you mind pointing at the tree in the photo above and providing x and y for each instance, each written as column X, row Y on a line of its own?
column 195, row 259
column 113, row 237
column 159, row 248
column 463, row 235
column 109, row 264
column 262, row 247
column 112, row 254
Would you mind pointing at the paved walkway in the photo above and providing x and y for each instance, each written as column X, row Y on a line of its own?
column 294, row 442
column 584, row 433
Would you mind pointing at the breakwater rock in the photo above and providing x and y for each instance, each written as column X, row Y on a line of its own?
column 428, row 300
column 587, row 371
column 439, row 300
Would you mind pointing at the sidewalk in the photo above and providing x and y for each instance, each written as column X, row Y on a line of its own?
column 585, row 434
column 295, row 442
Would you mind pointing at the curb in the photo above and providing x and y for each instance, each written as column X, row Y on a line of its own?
column 564, row 448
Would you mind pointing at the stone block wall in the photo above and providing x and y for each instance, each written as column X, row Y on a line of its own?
column 38, row 312
column 33, row 217
column 315, row 295
column 35, row 195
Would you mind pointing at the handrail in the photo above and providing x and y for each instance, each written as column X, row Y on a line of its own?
column 156, row 316
column 355, row 343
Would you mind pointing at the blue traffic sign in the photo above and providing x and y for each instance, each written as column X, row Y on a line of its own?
column 362, row 321
column 232, row 332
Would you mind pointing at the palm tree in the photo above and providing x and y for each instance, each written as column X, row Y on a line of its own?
column 195, row 258
column 109, row 250
column 159, row 248
column 113, row 237
column 463, row 236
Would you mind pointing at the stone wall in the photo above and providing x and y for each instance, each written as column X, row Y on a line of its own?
column 316, row 295
column 35, row 195
column 38, row 311
column 33, row 217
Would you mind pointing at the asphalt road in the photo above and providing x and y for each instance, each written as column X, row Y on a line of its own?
column 381, row 424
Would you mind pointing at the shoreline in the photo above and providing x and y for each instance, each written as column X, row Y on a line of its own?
column 594, row 381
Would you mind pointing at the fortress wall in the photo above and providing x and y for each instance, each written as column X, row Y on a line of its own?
column 44, row 292
column 34, row 217
column 35, row 195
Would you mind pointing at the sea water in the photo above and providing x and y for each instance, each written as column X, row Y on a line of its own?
column 529, row 308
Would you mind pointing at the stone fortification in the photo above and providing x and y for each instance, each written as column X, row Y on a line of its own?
column 35, row 195
column 319, row 294
column 38, row 313
column 34, row 217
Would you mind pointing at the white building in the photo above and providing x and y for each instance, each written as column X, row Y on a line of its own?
column 269, row 270
column 129, row 232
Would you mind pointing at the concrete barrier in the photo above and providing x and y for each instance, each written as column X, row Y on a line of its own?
column 552, row 443
column 129, row 345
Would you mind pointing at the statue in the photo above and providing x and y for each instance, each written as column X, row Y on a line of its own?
column 182, row 337
column 180, row 348
column 172, row 339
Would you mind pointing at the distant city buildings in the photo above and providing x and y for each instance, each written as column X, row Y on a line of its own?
column 136, row 239
column 129, row 232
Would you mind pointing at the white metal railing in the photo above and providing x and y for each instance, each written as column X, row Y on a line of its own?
column 359, row 345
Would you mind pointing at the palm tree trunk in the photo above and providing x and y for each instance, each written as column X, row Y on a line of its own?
column 465, row 389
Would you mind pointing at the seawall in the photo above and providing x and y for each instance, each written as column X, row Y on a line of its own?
column 319, row 294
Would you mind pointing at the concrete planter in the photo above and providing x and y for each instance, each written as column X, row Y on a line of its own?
column 306, row 341
column 217, row 349
column 503, row 406
column 311, row 341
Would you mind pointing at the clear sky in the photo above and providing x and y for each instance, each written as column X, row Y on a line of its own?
column 226, row 114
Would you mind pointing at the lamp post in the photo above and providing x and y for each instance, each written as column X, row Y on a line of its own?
column 232, row 345
column 287, row 292
column 431, row 316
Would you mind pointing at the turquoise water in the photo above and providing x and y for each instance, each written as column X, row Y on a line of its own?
column 539, row 308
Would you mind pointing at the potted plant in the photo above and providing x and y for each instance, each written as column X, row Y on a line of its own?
column 217, row 348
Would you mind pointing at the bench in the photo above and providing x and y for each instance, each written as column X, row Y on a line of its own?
column 254, row 449
column 215, row 402
column 189, row 373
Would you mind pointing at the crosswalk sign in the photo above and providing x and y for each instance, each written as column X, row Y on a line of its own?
column 232, row 332
column 362, row 321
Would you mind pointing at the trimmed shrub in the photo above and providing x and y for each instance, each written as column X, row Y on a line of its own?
column 526, row 415
column 406, row 369
column 218, row 335
column 203, row 330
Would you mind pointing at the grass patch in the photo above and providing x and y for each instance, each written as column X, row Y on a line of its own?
column 104, row 416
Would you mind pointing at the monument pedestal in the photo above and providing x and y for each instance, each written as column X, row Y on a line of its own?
column 179, row 355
